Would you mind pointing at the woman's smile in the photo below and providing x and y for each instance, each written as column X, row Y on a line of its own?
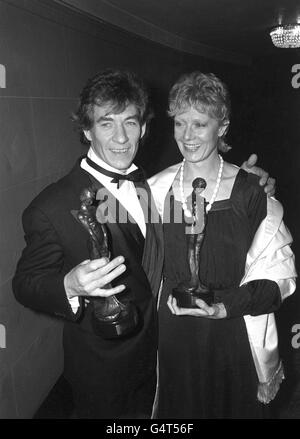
column 192, row 147
column 196, row 134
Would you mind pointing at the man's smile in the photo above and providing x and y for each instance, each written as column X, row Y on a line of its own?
column 119, row 151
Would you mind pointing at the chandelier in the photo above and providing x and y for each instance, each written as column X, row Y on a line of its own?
column 286, row 36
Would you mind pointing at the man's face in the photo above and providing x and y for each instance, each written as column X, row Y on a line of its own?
column 115, row 137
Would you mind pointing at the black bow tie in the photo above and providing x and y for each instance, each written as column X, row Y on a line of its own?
column 135, row 176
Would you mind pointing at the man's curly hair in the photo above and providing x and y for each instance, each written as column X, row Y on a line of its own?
column 115, row 89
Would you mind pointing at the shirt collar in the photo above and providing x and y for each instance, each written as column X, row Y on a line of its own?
column 93, row 156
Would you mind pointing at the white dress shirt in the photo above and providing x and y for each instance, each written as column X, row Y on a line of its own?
column 126, row 193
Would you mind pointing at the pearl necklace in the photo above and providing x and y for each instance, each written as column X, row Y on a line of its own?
column 185, row 208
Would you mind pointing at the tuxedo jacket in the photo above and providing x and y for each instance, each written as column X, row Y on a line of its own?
column 104, row 374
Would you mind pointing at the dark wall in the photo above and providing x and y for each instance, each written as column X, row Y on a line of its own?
column 276, row 127
column 276, row 138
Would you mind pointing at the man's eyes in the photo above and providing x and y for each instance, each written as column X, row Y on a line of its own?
column 106, row 124
column 132, row 123
column 129, row 123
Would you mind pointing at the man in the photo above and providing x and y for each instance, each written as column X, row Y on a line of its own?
column 109, row 378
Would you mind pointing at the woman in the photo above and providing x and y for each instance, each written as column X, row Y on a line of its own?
column 218, row 361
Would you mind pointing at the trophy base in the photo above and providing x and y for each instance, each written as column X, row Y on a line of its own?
column 123, row 325
column 187, row 299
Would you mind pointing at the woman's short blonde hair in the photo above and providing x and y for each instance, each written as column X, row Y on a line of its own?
column 205, row 92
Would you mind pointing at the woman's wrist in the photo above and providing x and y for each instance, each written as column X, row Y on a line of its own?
column 220, row 310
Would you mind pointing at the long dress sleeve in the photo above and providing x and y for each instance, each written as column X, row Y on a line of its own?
column 258, row 296
column 255, row 298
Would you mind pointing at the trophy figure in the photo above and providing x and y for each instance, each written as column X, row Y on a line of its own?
column 110, row 317
column 187, row 292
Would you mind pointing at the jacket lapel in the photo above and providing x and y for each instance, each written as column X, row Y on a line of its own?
column 154, row 246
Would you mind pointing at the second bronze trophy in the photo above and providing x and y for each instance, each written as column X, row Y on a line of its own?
column 187, row 292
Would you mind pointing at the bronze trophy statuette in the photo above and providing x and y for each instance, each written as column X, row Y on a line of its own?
column 110, row 317
column 187, row 292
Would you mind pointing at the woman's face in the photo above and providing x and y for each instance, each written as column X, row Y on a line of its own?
column 197, row 134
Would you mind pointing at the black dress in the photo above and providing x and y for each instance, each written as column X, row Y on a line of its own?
column 206, row 366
